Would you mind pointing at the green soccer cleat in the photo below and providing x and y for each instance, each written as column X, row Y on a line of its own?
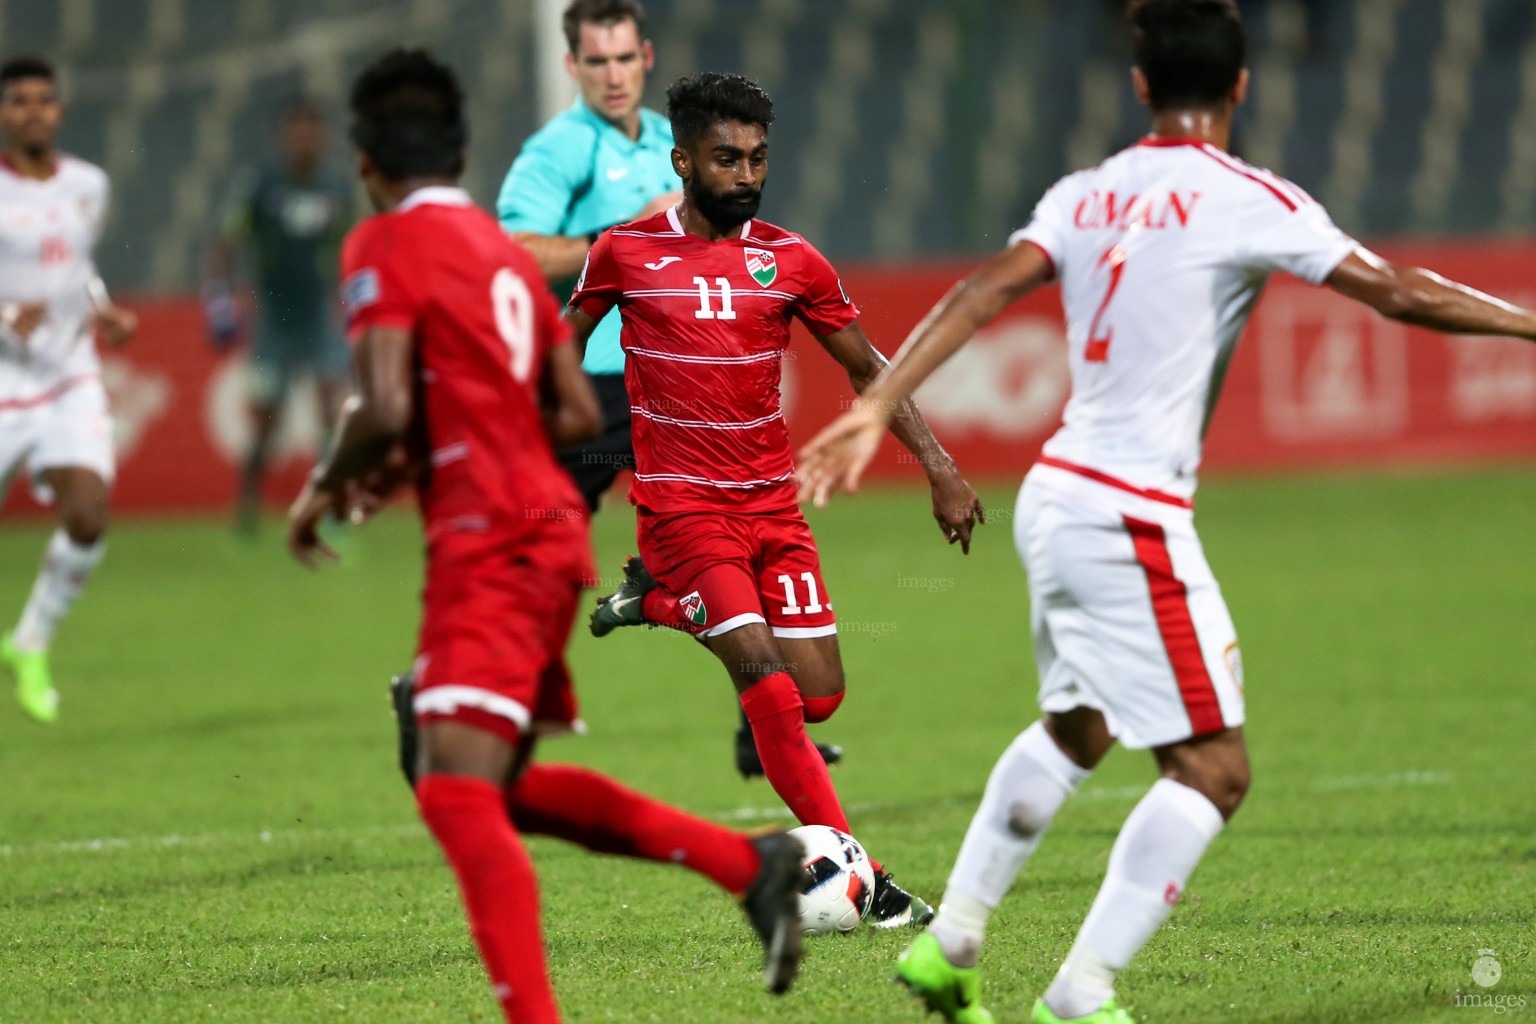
column 952, row 992
column 1110, row 1013
column 34, row 683
column 623, row 606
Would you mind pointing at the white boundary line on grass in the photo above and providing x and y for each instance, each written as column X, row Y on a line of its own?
column 265, row 836
column 1341, row 784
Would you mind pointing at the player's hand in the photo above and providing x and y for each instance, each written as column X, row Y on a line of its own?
column 837, row 457
column 304, row 519
column 115, row 325
column 660, row 204
column 223, row 315
column 956, row 508
column 367, row 496
column 24, row 318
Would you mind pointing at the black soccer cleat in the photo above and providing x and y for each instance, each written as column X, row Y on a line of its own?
column 750, row 764
column 623, row 607
column 894, row 907
column 772, row 905
column 401, row 690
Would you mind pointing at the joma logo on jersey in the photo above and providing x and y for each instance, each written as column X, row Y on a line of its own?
column 693, row 607
column 1106, row 210
column 762, row 265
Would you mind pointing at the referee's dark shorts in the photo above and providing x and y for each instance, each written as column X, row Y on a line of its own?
column 597, row 463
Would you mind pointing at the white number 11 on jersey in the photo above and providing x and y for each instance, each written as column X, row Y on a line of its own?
column 705, row 310
column 791, row 605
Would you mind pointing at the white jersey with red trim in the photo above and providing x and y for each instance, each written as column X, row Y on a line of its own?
column 1162, row 251
column 48, row 230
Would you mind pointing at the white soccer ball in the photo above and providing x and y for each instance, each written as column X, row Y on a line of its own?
column 839, row 882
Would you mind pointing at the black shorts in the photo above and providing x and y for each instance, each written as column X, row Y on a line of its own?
column 597, row 463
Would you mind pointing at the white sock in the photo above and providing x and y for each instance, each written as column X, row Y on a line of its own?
column 1156, row 852
column 66, row 567
column 1029, row 784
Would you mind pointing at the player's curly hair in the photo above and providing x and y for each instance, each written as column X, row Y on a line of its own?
column 1192, row 51
column 408, row 116
column 25, row 65
column 699, row 102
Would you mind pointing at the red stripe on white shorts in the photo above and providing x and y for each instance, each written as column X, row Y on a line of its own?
column 1170, row 606
column 1115, row 482
column 53, row 393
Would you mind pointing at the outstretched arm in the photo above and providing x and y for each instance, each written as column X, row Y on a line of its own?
column 955, row 505
column 838, row 456
column 1425, row 299
column 373, row 423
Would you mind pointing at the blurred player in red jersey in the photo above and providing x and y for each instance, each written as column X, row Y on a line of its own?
column 464, row 369
column 707, row 293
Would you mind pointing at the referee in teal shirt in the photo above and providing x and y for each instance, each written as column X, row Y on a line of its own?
column 605, row 161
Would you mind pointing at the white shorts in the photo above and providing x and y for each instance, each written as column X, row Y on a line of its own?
column 69, row 428
column 1127, row 617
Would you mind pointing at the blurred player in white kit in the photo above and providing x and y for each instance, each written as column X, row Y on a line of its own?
column 1162, row 251
column 53, row 409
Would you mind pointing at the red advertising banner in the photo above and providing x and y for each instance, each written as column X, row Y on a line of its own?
column 1317, row 381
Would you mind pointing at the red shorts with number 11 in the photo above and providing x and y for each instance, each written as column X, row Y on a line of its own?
column 729, row 571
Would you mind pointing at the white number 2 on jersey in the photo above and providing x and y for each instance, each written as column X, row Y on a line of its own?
column 513, row 306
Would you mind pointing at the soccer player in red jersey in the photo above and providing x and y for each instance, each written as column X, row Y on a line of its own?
column 707, row 293
column 464, row 369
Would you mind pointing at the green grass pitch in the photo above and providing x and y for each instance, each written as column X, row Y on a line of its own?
column 215, row 831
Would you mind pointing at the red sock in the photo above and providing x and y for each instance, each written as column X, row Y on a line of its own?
column 594, row 811
column 819, row 709
column 659, row 607
column 790, row 760
column 501, row 894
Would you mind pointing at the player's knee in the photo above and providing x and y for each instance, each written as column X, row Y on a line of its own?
column 451, row 748
column 819, row 709
column 1233, row 787
column 85, row 523
column 1081, row 734
column 1223, row 782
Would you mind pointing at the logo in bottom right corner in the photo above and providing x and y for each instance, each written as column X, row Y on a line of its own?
column 1487, row 971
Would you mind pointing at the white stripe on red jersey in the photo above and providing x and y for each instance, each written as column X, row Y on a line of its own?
column 1162, row 251
column 706, row 324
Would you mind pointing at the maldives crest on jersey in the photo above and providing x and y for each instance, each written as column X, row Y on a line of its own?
column 762, row 265
column 693, row 608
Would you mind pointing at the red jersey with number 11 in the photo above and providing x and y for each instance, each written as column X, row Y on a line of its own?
column 484, row 323
column 705, row 329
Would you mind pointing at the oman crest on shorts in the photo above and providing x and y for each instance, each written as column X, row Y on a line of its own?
column 762, row 265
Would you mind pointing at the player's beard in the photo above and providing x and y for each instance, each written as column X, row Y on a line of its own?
column 725, row 210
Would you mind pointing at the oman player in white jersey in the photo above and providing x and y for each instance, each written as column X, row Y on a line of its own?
column 1161, row 252
column 53, row 411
